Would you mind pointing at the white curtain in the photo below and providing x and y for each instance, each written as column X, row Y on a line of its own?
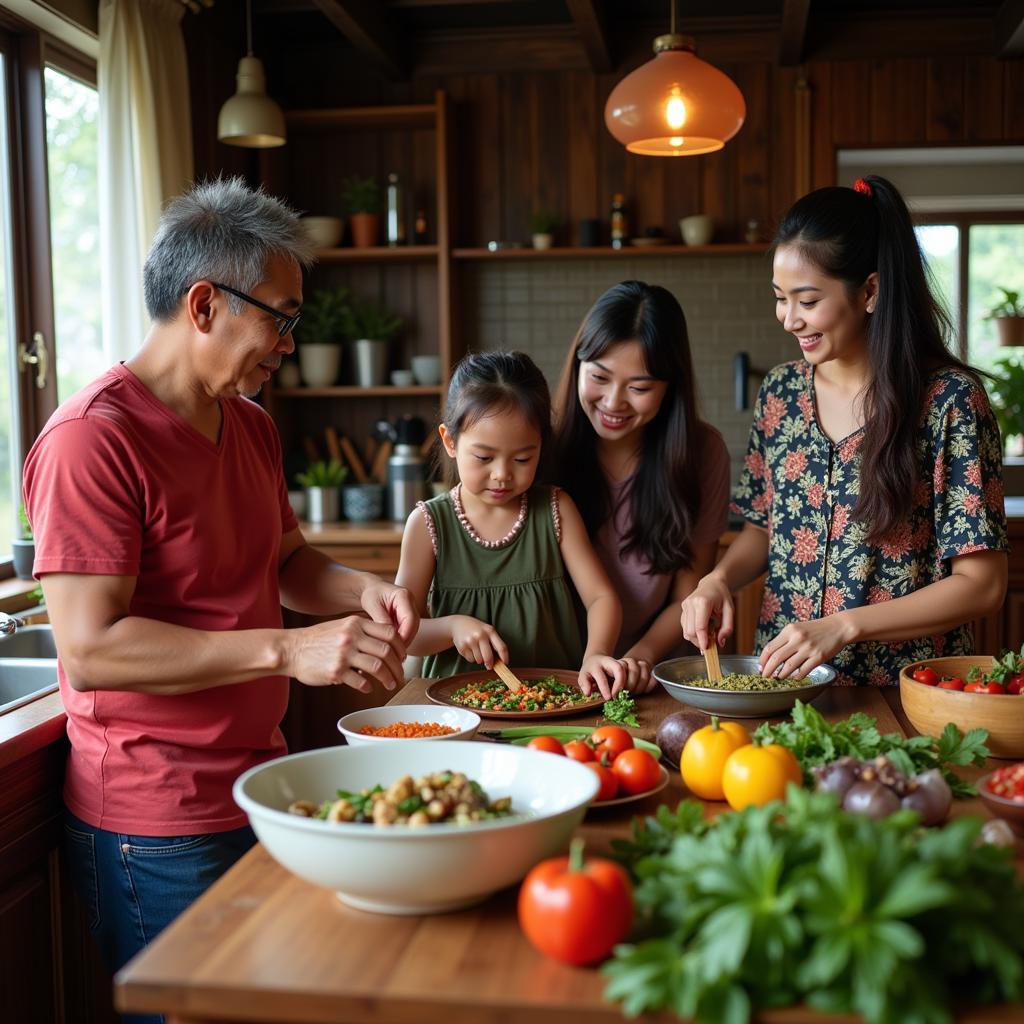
column 145, row 139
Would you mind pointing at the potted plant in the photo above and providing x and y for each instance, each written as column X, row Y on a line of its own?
column 1009, row 317
column 319, row 336
column 322, row 481
column 543, row 226
column 361, row 197
column 371, row 327
column 23, row 547
column 1006, row 389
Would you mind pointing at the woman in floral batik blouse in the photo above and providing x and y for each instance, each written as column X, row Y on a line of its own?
column 872, row 489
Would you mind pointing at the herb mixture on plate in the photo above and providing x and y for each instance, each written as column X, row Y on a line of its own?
column 546, row 694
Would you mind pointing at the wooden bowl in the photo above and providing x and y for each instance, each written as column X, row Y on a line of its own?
column 929, row 708
column 1011, row 811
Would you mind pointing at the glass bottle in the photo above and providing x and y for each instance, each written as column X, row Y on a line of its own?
column 618, row 220
column 419, row 232
column 396, row 212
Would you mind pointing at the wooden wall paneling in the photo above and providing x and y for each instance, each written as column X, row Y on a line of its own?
column 613, row 160
column 1013, row 95
column 849, row 113
column 548, row 168
column 682, row 193
column 479, row 161
column 583, row 120
column 983, row 99
column 756, row 149
column 944, row 99
column 823, row 150
column 649, row 174
column 898, row 100
column 783, row 126
column 517, row 155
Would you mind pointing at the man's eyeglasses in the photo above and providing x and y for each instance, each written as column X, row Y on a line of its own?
column 286, row 322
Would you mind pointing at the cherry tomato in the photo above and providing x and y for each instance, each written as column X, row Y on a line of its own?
column 609, row 781
column 611, row 740
column 1015, row 684
column 637, row 771
column 990, row 687
column 951, row 684
column 576, row 910
column 578, row 751
column 546, row 743
column 973, row 686
column 926, row 675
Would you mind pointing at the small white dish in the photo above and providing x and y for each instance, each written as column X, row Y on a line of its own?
column 462, row 720
column 402, row 378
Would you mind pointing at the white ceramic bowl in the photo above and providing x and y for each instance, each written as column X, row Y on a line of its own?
column 462, row 720
column 401, row 870
column 323, row 232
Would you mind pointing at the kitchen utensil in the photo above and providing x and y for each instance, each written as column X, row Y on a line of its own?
column 426, row 870
column 352, row 457
column 675, row 674
column 379, row 471
column 711, row 655
column 310, row 448
column 507, row 676
column 440, row 691
column 929, row 708
column 407, row 476
column 333, row 448
column 462, row 720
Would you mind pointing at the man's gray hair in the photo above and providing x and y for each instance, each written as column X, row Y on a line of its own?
column 219, row 231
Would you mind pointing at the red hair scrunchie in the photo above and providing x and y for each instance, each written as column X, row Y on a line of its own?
column 861, row 186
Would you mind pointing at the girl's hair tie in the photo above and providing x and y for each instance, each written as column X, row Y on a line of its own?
column 861, row 186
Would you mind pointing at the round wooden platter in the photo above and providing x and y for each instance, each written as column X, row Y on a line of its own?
column 440, row 692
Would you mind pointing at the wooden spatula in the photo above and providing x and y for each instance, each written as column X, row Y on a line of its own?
column 711, row 655
column 507, row 676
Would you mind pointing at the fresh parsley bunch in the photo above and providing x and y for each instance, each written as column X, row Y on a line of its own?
column 621, row 709
column 804, row 903
column 815, row 741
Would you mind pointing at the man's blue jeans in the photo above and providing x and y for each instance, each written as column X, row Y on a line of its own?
column 131, row 887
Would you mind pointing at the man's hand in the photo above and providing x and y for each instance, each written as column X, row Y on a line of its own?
column 391, row 605
column 349, row 651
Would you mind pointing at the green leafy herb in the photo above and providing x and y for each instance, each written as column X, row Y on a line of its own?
column 621, row 709
column 803, row 902
column 815, row 741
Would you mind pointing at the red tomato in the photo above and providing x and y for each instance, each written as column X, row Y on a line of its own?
column 990, row 687
column 546, row 743
column 578, row 751
column 951, row 684
column 576, row 910
column 973, row 686
column 609, row 781
column 926, row 675
column 1015, row 684
column 611, row 740
column 637, row 771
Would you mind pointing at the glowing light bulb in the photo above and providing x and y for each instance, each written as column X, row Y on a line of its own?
column 675, row 111
column 676, row 141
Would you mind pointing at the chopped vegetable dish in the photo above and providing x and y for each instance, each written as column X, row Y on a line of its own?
column 545, row 694
column 742, row 681
column 408, row 730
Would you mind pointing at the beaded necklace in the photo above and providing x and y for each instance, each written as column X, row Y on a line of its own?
column 460, row 514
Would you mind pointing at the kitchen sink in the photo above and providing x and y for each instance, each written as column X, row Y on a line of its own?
column 28, row 666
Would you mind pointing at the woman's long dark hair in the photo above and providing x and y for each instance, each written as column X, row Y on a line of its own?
column 848, row 234
column 485, row 383
column 663, row 499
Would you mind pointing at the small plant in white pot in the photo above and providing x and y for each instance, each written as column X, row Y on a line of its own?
column 371, row 328
column 319, row 335
column 1009, row 317
column 23, row 547
column 322, row 481
column 543, row 226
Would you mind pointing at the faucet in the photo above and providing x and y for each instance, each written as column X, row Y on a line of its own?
column 9, row 624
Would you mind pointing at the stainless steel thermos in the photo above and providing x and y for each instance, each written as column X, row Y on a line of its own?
column 407, row 469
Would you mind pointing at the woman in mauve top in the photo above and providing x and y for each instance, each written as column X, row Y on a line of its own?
column 649, row 477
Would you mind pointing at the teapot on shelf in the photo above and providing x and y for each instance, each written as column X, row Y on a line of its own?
column 407, row 469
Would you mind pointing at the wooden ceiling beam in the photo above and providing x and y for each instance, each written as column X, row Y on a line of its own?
column 362, row 23
column 589, row 21
column 1010, row 29
column 793, row 34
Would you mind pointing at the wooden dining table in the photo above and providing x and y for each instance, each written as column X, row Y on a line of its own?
column 262, row 945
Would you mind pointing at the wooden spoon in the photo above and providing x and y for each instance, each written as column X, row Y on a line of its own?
column 711, row 655
column 507, row 676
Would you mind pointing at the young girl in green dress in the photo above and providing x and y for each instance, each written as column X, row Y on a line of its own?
column 492, row 562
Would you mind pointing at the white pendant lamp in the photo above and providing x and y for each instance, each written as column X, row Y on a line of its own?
column 676, row 104
column 250, row 117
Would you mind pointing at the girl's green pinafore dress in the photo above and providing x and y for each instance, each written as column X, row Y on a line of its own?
column 521, row 588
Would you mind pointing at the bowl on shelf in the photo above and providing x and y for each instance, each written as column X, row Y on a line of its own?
column 678, row 676
column 323, row 232
column 1012, row 811
column 402, row 378
column 463, row 721
column 929, row 708
column 428, row 869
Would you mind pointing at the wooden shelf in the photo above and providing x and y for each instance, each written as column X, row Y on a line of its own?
column 422, row 115
column 354, row 391
column 599, row 252
column 380, row 254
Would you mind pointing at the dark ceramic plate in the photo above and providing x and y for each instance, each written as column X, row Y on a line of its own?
column 440, row 692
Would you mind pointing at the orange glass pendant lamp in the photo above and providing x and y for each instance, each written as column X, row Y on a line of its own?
column 676, row 104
